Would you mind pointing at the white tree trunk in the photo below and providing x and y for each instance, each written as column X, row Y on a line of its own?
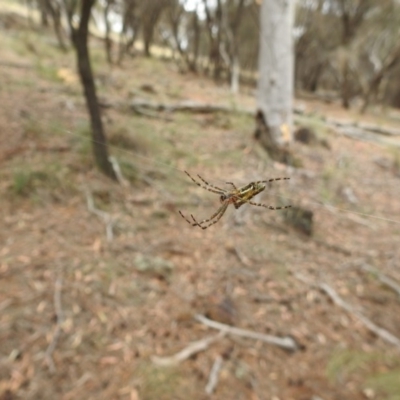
column 276, row 68
column 235, row 68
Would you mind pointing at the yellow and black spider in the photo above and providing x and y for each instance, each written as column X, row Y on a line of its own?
column 236, row 196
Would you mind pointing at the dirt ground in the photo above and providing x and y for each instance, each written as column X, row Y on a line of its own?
column 88, row 298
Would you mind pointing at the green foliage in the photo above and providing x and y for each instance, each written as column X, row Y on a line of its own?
column 39, row 183
column 344, row 363
column 47, row 72
column 347, row 363
column 388, row 383
column 25, row 182
column 22, row 183
column 129, row 171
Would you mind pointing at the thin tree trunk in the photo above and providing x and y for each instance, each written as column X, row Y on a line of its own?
column 107, row 39
column 55, row 10
column 79, row 39
column 390, row 63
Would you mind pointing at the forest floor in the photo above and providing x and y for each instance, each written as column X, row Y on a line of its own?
column 84, row 312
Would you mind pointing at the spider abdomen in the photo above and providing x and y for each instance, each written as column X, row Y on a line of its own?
column 247, row 192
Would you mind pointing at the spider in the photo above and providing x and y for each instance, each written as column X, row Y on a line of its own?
column 236, row 196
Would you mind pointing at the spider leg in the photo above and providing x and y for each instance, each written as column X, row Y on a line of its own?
column 265, row 206
column 219, row 191
column 185, row 218
column 272, row 180
column 231, row 183
column 209, row 184
column 217, row 215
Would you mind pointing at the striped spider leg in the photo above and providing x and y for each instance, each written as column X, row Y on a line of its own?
column 221, row 210
column 217, row 215
column 237, row 197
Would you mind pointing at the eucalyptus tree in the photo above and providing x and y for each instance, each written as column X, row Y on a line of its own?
column 275, row 78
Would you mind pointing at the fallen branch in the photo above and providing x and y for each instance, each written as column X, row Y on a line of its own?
column 149, row 113
column 383, row 278
column 362, row 133
column 240, row 256
column 187, row 352
column 107, row 218
column 59, row 321
column 377, row 330
column 214, row 374
column 121, row 179
column 352, row 129
column 364, row 127
column 285, row 342
column 383, row 333
column 187, row 106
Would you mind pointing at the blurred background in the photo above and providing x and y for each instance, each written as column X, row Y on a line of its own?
column 106, row 292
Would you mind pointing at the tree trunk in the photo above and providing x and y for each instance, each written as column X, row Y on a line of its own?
column 151, row 13
column 43, row 14
column 345, row 84
column 130, row 24
column 391, row 62
column 107, row 39
column 54, row 9
column 214, row 29
column 275, row 82
column 79, row 39
column 231, row 30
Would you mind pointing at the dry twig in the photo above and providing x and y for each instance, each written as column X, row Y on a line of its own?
column 241, row 256
column 107, row 218
column 187, row 352
column 383, row 278
column 285, row 342
column 377, row 330
column 382, row 333
column 121, row 179
column 214, row 374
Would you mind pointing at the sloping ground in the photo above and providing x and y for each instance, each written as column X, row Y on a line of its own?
column 81, row 316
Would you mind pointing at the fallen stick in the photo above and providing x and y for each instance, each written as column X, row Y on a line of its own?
column 377, row 330
column 382, row 333
column 188, row 106
column 101, row 214
column 187, row 352
column 383, row 278
column 285, row 342
column 121, row 179
column 214, row 374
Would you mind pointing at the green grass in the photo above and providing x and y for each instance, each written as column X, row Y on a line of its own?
column 47, row 72
column 158, row 383
column 26, row 182
column 22, row 183
column 347, row 364
column 387, row 383
column 42, row 182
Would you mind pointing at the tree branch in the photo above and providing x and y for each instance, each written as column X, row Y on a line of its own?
column 187, row 352
column 286, row 342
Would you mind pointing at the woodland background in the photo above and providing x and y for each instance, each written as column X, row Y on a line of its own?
column 101, row 282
